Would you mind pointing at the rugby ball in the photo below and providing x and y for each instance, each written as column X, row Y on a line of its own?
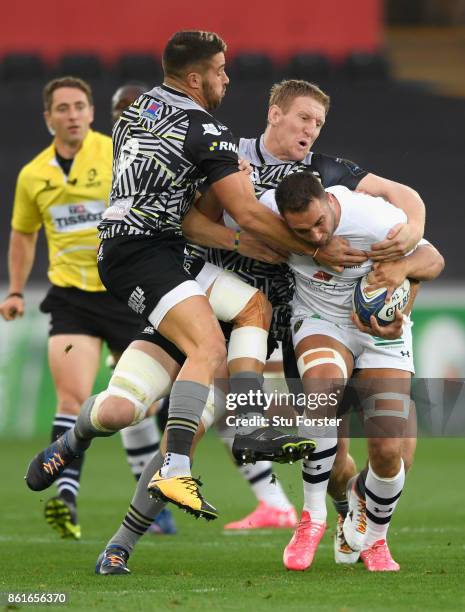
column 367, row 303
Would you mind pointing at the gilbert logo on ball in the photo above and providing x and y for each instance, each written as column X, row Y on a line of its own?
column 367, row 303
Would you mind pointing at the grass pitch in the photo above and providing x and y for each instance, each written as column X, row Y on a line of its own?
column 205, row 568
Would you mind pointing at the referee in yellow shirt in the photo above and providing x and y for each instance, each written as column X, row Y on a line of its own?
column 65, row 189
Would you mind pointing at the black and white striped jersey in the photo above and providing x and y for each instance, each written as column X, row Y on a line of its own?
column 276, row 281
column 164, row 146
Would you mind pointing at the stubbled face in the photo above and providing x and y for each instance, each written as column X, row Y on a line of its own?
column 316, row 224
column 214, row 82
column 70, row 115
column 295, row 131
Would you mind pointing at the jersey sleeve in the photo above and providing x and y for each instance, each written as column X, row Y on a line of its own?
column 211, row 147
column 26, row 214
column 338, row 171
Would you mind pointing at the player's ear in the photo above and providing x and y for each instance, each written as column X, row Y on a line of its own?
column 274, row 114
column 48, row 123
column 194, row 80
column 92, row 113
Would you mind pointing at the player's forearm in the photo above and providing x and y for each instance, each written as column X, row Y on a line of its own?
column 199, row 229
column 269, row 228
column 424, row 264
column 401, row 196
column 411, row 203
column 21, row 254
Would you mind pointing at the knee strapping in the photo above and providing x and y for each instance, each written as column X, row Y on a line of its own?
column 229, row 295
column 140, row 379
column 386, row 405
column 333, row 357
column 250, row 342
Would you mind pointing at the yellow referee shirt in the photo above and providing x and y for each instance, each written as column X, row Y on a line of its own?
column 69, row 207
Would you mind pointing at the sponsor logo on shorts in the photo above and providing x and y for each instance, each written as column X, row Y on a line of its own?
column 223, row 145
column 136, row 300
column 149, row 330
column 152, row 111
column 214, row 130
column 78, row 216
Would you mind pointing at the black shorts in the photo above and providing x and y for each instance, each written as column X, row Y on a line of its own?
column 140, row 270
column 150, row 334
column 99, row 314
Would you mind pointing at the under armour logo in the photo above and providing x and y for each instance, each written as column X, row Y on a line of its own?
column 317, row 467
column 378, row 510
column 405, row 353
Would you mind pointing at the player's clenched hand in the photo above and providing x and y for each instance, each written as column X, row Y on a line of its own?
column 249, row 246
column 389, row 274
column 338, row 254
column 12, row 307
column 389, row 332
column 400, row 239
column 245, row 166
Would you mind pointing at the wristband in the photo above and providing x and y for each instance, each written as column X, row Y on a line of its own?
column 236, row 239
column 15, row 294
column 315, row 253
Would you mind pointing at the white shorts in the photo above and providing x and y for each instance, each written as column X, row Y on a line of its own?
column 368, row 351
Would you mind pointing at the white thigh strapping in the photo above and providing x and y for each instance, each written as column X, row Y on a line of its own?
column 304, row 363
column 229, row 295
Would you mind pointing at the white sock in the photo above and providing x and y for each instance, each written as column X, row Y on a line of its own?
column 175, row 464
column 315, row 474
column 140, row 442
column 266, row 488
column 382, row 496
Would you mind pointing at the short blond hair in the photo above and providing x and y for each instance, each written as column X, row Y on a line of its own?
column 284, row 93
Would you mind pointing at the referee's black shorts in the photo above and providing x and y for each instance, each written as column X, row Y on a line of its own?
column 91, row 313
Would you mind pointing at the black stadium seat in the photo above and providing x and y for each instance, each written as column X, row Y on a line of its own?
column 22, row 67
column 83, row 65
column 366, row 66
column 308, row 66
column 247, row 66
column 139, row 67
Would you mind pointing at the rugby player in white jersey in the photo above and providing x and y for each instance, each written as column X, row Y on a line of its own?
column 296, row 115
column 330, row 347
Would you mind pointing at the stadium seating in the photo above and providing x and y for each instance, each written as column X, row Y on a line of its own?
column 84, row 65
column 365, row 66
column 17, row 67
column 138, row 67
column 252, row 66
column 308, row 66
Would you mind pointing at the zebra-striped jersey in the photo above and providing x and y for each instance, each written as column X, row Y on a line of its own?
column 164, row 146
column 277, row 281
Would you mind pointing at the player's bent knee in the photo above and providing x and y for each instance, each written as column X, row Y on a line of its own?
column 322, row 356
column 141, row 380
column 385, row 455
column 210, row 353
column 257, row 312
